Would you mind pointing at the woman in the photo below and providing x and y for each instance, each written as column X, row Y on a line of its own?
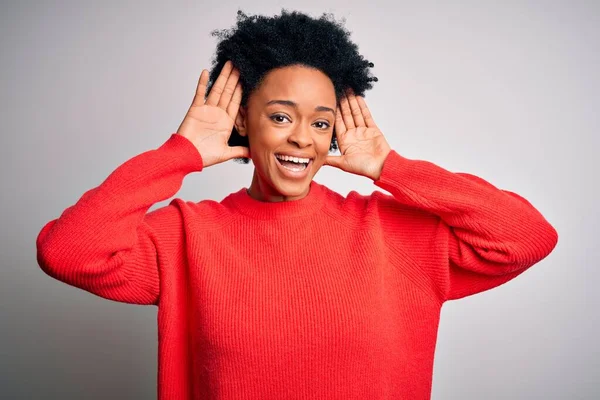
column 288, row 289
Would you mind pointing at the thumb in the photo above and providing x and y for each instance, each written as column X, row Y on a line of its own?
column 334, row 161
column 239, row 152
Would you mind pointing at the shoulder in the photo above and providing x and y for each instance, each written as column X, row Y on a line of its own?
column 376, row 206
column 202, row 214
column 358, row 202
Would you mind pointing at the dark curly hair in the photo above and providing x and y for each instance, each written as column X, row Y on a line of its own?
column 257, row 44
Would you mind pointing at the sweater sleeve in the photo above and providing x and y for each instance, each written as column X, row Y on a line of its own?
column 107, row 243
column 476, row 236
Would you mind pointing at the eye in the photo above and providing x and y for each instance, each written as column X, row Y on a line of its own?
column 324, row 125
column 279, row 118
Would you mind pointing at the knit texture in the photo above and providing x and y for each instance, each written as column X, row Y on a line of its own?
column 327, row 297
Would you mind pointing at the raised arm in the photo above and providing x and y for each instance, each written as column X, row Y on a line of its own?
column 108, row 243
column 480, row 236
column 460, row 231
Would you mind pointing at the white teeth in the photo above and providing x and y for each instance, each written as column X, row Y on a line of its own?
column 293, row 159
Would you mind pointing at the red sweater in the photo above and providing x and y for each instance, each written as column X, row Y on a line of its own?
column 327, row 297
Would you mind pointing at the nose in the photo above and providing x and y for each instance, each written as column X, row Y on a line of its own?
column 300, row 136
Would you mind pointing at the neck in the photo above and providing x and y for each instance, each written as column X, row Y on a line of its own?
column 262, row 191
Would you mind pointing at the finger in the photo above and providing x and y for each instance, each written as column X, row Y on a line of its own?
column 236, row 99
column 201, row 89
column 229, row 89
column 334, row 161
column 355, row 110
column 346, row 113
column 366, row 113
column 340, row 127
column 219, row 85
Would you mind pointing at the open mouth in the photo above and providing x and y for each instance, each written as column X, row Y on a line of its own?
column 294, row 164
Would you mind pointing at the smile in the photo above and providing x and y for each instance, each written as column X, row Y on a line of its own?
column 293, row 167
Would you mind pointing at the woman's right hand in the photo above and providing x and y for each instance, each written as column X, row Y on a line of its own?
column 208, row 122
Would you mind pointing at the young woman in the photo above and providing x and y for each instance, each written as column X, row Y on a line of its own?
column 287, row 289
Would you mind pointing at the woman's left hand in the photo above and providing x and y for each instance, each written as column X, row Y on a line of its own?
column 362, row 145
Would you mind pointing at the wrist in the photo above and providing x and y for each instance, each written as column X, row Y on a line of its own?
column 379, row 169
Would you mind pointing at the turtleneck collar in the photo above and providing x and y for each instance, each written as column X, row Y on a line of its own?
column 257, row 209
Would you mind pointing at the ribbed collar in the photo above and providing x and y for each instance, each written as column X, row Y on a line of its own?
column 257, row 209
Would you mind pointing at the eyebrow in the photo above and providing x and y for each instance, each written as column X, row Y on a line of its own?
column 292, row 104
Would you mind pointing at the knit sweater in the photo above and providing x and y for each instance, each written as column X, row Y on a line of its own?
column 326, row 297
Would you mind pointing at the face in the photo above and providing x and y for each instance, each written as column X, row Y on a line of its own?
column 289, row 123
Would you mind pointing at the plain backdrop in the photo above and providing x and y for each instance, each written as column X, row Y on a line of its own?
column 508, row 91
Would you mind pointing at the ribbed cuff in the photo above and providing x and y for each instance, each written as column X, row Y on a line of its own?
column 185, row 149
column 394, row 167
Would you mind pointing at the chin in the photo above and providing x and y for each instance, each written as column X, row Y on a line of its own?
column 292, row 189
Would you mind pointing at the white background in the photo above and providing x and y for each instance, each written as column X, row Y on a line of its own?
column 508, row 91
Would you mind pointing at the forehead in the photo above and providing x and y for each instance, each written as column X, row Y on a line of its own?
column 297, row 83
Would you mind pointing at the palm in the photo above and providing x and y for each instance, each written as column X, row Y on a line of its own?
column 362, row 146
column 214, row 123
column 209, row 122
column 359, row 145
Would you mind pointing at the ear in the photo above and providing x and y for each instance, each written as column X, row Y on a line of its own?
column 240, row 121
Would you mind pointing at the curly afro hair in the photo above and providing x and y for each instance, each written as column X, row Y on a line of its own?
column 257, row 44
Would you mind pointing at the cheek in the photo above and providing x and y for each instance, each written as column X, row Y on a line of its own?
column 263, row 141
column 268, row 137
column 324, row 142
